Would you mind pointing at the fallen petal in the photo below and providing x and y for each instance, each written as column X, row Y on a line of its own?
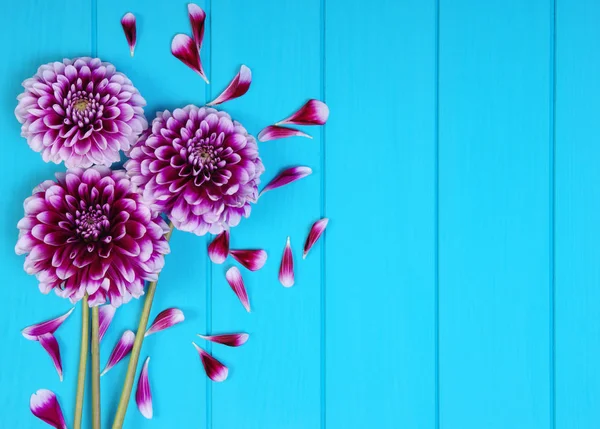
column 286, row 269
column 231, row 340
column 314, row 112
column 253, row 259
column 128, row 23
column 49, row 343
column 215, row 370
column 143, row 395
column 44, row 405
column 236, row 88
column 197, row 17
column 48, row 327
column 105, row 316
column 219, row 248
column 234, row 278
column 122, row 349
column 165, row 319
column 274, row 132
column 184, row 48
column 315, row 232
column 287, row 176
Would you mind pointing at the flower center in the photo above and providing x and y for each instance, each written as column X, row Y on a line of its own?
column 202, row 154
column 82, row 108
column 91, row 222
column 81, row 105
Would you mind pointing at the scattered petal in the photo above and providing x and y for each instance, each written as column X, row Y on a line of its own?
column 236, row 88
column 128, row 23
column 184, row 48
column 215, row 370
column 197, row 17
column 253, row 259
column 49, row 343
column 287, row 176
column 234, row 278
column 286, row 269
column 219, row 248
column 315, row 232
column 122, row 349
column 143, row 395
column 274, row 132
column 231, row 340
column 314, row 112
column 44, row 405
column 105, row 316
column 165, row 319
column 48, row 327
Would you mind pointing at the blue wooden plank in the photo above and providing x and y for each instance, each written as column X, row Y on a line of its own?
column 494, row 214
column 380, row 197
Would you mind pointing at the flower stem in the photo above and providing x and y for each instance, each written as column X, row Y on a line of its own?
column 83, row 352
column 135, row 351
column 95, row 369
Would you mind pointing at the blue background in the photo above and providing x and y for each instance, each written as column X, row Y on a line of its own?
column 457, row 286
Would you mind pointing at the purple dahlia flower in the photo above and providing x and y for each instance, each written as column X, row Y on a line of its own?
column 199, row 167
column 80, row 111
column 89, row 232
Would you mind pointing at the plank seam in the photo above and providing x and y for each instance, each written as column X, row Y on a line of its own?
column 323, row 166
column 437, row 215
column 94, row 28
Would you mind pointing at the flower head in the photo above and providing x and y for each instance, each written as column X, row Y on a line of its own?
column 199, row 167
column 80, row 111
column 88, row 231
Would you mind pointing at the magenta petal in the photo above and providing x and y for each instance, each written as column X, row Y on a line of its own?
column 143, row 395
column 197, row 17
column 315, row 232
column 105, row 316
column 314, row 112
column 215, row 370
column 234, row 278
column 49, row 343
column 219, row 248
column 253, row 259
column 44, row 405
column 274, row 132
column 122, row 349
column 236, row 88
column 184, row 48
column 286, row 269
column 165, row 319
column 128, row 23
column 287, row 176
column 48, row 327
column 231, row 340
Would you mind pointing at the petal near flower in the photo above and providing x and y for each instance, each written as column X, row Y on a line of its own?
column 314, row 112
column 287, row 176
column 128, row 23
column 165, row 319
column 105, row 316
column 45, row 406
column 143, row 395
column 215, row 370
column 274, row 132
column 236, row 88
column 286, row 269
column 185, row 49
column 122, row 349
column 315, row 232
column 49, row 343
column 234, row 278
column 253, row 259
column 231, row 340
column 197, row 17
column 219, row 248
column 48, row 327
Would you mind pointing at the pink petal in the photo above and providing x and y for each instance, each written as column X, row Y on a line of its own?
column 122, row 349
column 219, row 248
column 215, row 370
column 128, row 23
column 165, row 319
column 185, row 49
column 236, row 88
column 287, row 176
column 105, row 316
column 315, row 232
column 49, row 343
column 47, row 327
column 44, row 405
column 143, row 395
column 231, row 340
column 197, row 17
column 314, row 112
column 286, row 269
column 234, row 278
column 253, row 259
column 274, row 132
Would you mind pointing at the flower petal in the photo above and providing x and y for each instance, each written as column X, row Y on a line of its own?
column 219, row 248
column 143, row 395
column 314, row 112
column 234, row 278
column 253, row 259
column 49, row 343
column 231, row 340
column 44, row 405
column 128, row 23
column 165, row 319
column 122, row 349
column 197, row 17
column 286, row 269
column 287, row 176
column 315, row 232
column 236, row 88
column 105, row 316
column 274, row 132
column 215, row 370
column 47, row 327
column 184, row 48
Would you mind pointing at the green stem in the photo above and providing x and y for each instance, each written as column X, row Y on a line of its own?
column 83, row 352
column 135, row 351
column 95, row 369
